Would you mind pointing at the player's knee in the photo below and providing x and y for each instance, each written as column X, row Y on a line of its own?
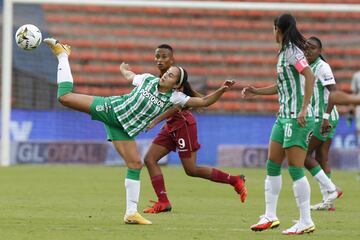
column 149, row 159
column 64, row 99
column 135, row 165
column 191, row 172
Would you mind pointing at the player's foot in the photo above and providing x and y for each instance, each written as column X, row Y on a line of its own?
column 240, row 188
column 56, row 47
column 264, row 224
column 158, row 207
column 299, row 228
column 136, row 218
column 331, row 196
column 323, row 206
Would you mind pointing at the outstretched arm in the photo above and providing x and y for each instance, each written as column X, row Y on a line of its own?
column 168, row 113
column 342, row 98
column 126, row 71
column 211, row 98
column 251, row 91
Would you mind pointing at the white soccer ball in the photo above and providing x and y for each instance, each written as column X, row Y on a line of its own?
column 28, row 37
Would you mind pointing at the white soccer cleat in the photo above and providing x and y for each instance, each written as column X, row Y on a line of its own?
column 299, row 228
column 56, row 47
column 265, row 223
column 323, row 206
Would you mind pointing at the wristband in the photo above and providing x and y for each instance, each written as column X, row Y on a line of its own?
column 326, row 116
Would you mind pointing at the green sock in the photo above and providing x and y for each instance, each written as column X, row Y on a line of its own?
column 272, row 168
column 64, row 88
column 296, row 172
column 315, row 170
column 133, row 174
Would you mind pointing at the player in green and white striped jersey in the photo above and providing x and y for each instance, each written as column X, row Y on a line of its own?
column 127, row 115
column 326, row 120
column 292, row 129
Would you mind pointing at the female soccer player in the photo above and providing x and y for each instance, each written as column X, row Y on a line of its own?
column 125, row 116
column 292, row 129
column 326, row 120
column 180, row 132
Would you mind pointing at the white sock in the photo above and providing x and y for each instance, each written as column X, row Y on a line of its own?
column 301, row 189
column 325, row 181
column 272, row 190
column 132, row 195
column 64, row 71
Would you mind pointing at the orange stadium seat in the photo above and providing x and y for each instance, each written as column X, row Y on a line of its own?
column 203, row 44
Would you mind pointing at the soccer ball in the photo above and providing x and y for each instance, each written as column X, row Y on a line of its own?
column 28, row 37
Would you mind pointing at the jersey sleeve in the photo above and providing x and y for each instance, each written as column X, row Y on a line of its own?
column 325, row 75
column 296, row 58
column 179, row 98
column 140, row 78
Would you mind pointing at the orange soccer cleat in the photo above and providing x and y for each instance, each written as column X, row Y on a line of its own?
column 240, row 188
column 158, row 207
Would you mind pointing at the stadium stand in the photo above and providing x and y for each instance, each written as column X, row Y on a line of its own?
column 211, row 44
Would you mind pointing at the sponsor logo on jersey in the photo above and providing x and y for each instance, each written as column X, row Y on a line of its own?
column 152, row 98
column 328, row 79
column 99, row 108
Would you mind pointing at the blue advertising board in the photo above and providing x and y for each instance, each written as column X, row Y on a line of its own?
column 213, row 130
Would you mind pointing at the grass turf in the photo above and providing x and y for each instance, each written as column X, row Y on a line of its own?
column 88, row 202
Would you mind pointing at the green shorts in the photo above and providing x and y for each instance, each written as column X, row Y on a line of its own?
column 100, row 110
column 330, row 135
column 288, row 133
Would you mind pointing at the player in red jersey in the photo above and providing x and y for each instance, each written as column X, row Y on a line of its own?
column 180, row 133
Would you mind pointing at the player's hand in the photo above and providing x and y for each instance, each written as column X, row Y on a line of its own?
column 227, row 85
column 325, row 127
column 248, row 92
column 125, row 66
column 301, row 119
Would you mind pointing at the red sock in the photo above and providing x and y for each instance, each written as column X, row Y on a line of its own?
column 159, row 187
column 222, row 177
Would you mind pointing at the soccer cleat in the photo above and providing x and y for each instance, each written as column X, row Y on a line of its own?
column 158, row 207
column 299, row 229
column 264, row 224
column 136, row 218
column 240, row 188
column 56, row 47
column 328, row 202
column 323, row 206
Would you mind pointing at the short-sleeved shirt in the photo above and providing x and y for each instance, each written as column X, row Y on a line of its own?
column 323, row 77
column 290, row 85
column 137, row 109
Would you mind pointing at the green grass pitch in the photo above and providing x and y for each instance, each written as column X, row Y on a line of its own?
column 88, row 202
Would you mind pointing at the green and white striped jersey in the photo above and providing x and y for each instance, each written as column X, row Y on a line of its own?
column 323, row 77
column 137, row 109
column 290, row 85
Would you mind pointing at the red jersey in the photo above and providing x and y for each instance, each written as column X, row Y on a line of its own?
column 179, row 119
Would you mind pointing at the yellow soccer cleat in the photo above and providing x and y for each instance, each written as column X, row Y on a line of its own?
column 56, row 47
column 299, row 229
column 136, row 218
